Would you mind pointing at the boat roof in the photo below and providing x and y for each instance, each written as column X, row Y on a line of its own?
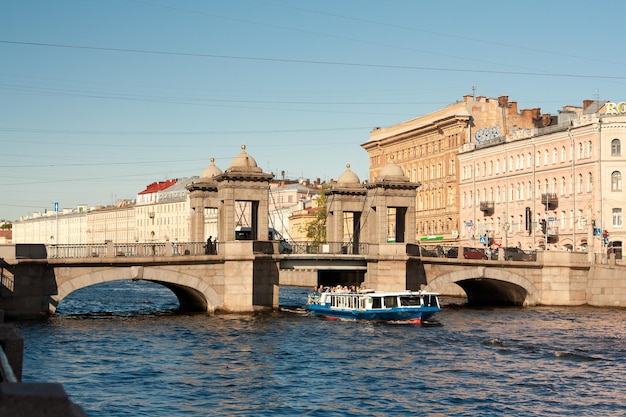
column 384, row 293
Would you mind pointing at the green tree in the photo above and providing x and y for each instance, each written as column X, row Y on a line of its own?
column 316, row 228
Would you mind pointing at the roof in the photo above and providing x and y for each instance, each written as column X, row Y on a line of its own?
column 158, row 186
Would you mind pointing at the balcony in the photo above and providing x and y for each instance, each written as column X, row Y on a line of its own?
column 487, row 207
column 552, row 235
column 549, row 200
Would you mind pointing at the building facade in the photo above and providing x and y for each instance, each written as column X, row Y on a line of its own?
column 426, row 148
column 558, row 187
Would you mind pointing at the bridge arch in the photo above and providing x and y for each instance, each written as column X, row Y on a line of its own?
column 192, row 293
column 489, row 286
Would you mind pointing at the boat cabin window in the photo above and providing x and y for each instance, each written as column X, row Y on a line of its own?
column 410, row 301
column 376, row 302
column 430, row 300
column 391, row 301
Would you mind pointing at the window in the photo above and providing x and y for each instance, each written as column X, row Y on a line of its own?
column 554, row 156
column 580, row 150
column 616, row 147
column 580, row 183
column 617, row 217
column 589, row 182
column 563, row 154
column 616, row 181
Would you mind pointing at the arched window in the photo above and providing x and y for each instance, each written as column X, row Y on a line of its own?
column 563, row 186
column 554, row 156
column 563, row 154
column 580, row 183
column 538, row 187
column 589, row 182
column 497, row 166
column 616, row 181
column 538, row 159
column 616, row 147
column 580, row 150
column 546, row 157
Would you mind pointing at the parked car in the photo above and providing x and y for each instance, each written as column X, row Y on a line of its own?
column 453, row 252
column 435, row 252
column 517, row 254
column 474, row 253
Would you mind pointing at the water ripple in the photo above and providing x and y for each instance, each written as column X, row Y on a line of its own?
column 144, row 359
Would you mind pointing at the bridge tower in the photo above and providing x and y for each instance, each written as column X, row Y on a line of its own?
column 345, row 203
column 243, row 194
column 250, row 274
column 390, row 226
column 203, row 195
column 391, row 202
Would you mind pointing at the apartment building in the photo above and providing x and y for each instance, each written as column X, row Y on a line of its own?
column 556, row 187
column 426, row 148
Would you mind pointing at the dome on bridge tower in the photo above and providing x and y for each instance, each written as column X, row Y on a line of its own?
column 348, row 178
column 243, row 163
column 391, row 172
column 211, row 171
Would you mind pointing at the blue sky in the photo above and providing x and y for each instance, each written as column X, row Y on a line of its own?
column 99, row 98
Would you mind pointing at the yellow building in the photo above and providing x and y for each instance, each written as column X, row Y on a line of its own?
column 426, row 148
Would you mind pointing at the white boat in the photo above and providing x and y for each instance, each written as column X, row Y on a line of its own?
column 405, row 306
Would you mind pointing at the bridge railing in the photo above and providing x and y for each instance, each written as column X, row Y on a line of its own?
column 77, row 251
column 103, row 250
column 330, row 248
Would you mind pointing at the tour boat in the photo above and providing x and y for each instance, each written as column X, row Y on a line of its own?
column 405, row 306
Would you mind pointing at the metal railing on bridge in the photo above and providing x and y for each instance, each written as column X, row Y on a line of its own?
column 330, row 248
column 98, row 250
column 160, row 249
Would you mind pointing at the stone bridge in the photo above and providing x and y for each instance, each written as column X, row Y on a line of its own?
column 246, row 277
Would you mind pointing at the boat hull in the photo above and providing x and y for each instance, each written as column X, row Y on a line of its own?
column 401, row 315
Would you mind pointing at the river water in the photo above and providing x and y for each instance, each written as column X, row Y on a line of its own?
column 120, row 349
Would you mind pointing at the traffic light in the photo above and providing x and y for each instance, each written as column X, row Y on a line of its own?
column 544, row 226
column 606, row 234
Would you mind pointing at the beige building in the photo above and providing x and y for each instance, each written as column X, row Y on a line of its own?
column 558, row 187
column 426, row 149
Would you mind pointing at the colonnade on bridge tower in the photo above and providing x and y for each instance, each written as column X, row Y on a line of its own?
column 241, row 190
column 376, row 213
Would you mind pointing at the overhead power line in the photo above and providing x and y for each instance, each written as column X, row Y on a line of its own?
column 310, row 62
